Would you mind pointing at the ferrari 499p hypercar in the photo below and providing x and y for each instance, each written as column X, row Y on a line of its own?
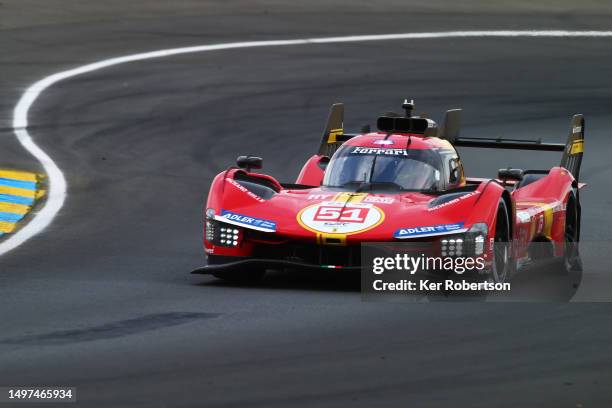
column 402, row 183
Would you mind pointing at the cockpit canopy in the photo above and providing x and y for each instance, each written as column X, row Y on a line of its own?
column 424, row 170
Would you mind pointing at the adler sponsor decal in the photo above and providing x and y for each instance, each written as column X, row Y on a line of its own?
column 427, row 231
column 246, row 221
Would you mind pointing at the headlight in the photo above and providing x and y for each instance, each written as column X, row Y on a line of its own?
column 452, row 246
column 478, row 235
column 229, row 235
column 468, row 244
column 220, row 233
column 210, row 230
column 209, row 224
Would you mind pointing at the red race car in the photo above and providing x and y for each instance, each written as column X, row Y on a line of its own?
column 402, row 183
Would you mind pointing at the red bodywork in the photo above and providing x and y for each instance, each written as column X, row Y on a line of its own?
column 311, row 214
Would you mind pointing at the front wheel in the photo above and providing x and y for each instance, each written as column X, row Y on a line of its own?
column 501, row 265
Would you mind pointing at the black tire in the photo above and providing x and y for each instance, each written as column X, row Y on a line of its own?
column 567, row 269
column 502, row 263
column 571, row 255
column 242, row 277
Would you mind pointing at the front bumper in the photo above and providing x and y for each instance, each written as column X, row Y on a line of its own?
column 230, row 263
column 297, row 256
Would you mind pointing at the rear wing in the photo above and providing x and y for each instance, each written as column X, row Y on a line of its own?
column 572, row 150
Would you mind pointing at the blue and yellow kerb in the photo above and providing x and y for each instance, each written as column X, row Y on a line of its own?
column 19, row 191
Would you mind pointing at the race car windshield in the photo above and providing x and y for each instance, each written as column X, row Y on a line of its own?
column 400, row 169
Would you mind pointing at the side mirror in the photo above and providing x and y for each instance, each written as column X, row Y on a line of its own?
column 510, row 174
column 249, row 162
column 454, row 175
column 454, row 170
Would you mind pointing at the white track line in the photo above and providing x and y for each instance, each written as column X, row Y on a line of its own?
column 57, row 183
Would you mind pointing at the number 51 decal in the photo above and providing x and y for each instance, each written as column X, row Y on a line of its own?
column 340, row 214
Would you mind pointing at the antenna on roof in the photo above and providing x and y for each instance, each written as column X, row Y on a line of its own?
column 408, row 107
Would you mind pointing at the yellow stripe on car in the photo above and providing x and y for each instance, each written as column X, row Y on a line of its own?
column 547, row 211
column 350, row 197
column 331, row 239
column 333, row 135
column 548, row 222
column 577, row 147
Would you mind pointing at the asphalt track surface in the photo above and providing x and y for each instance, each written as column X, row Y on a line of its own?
column 103, row 301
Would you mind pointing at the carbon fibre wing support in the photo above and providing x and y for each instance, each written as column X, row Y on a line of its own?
column 333, row 134
column 574, row 148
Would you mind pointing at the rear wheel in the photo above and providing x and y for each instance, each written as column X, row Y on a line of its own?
column 571, row 255
column 568, row 268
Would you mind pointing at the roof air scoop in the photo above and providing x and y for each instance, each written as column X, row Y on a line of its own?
column 393, row 123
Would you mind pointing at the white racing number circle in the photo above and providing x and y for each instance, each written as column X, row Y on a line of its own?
column 340, row 218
